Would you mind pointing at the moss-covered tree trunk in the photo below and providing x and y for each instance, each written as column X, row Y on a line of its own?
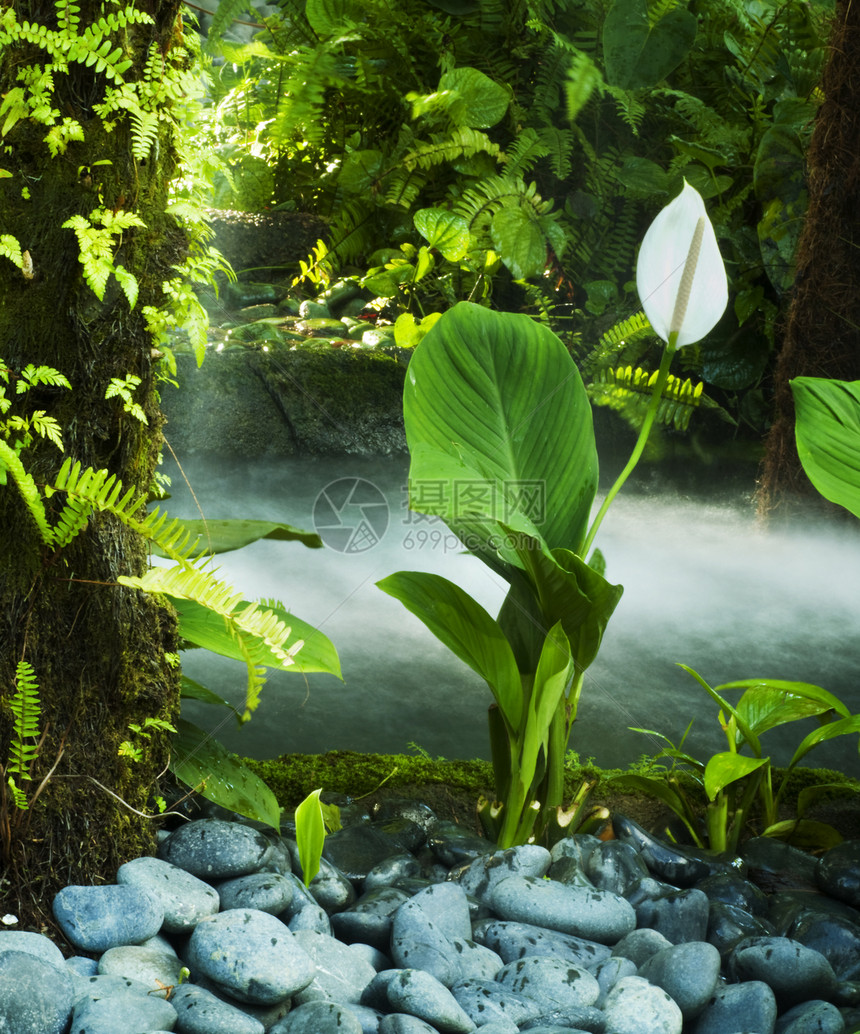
column 822, row 332
column 97, row 649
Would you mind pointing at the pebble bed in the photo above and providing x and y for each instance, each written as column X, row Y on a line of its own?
column 414, row 926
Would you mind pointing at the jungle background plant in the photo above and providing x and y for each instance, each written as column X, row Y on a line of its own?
column 513, row 153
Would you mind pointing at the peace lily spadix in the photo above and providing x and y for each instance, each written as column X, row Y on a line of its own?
column 683, row 288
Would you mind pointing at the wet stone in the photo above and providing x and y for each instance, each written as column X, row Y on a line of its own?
column 732, row 889
column 318, row 1018
column 477, row 962
column 394, row 867
column 310, row 917
column 728, row 924
column 250, row 955
column 340, row 973
column 512, row 941
column 445, row 904
column 585, row 1018
column 774, row 865
column 419, row 994
column 688, row 973
column 453, row 846
column 417, row 943
column 97, row 918
column 813, row 1017
column 670, row 863
column 201, row 1012
column 399, row 809
column 184, row 898
column 215, row 850
column 750, row 1006
column 592, row 914
column 608, row 972
column 148, row 966
column 836, row 937
column 35, row 995
column 355, row 850
column 615, row 866
column 634, row 1006
column 402, row 1023
column 485, row 872
column 641, row 945
column 794, row 972
column 483, row 1000
column 32, row 944
column 680, row 915
column 330, row 888
column 550, row 982
column 838, row 872
column 265, row 891
column 130, row 1012
column 369, row 919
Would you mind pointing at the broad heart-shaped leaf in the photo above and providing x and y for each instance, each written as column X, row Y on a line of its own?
column 483, row 102
column 495, row 398
column 444, row 230
column 638, row 54
column 199, row 761
column 828, row 437
column 205, row 628
column 466, row 629
column 728, row 767
column 768, row 703
column 520, row 241
column 224, row 535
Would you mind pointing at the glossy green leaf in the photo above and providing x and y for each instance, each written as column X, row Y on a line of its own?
column 224, row 535
column 841, row 727
column 483, row 102
column 727, row 767
column 444, row 230
column 205, row 628
column 466, row 629
column 519, row 239
column 805, row 834
column 486, row 393
column 748, row 735
column 638, row 54
column 201, row 762
column 310, row 834
column 828, row 437
column 191, row 690
column 554, row 673
column 768, row 703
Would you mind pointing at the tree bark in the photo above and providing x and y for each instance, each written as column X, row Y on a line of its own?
column 822, row 331
column 98, row 649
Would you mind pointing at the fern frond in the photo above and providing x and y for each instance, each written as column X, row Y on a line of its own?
column 615, row 340
column 26, row 711
column 629, row 391
column 11, row 463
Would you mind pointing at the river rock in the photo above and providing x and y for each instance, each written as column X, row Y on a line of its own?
column 640, row 945
column 264, row 891
column 453, row 845
column 32, row 944
column 340, row 974
column 634, row 1006
column 732, row 889
column 550, row 982
column 512, row 941
column 393, row 868
column 750, row 1006
column 813, row 1017
column 615, row 866
column 215, row 849
column 184, row 898
column 403, row 1023
column 838, row 872
column 318, row 1018
column 836, row 937
column 680, row 915
column 369, row 919
column 668, row 862
column 150, row 966
column 201, row 1012
column 35, row 995
column 485, row 872
column 794, row 972
column 483, row 1000
column 608, row 972
column 688, row 973
column 97, row 918
column 592, row 914
column 446, row 905
column 728, row 924
column 356, row 850
column 417, row 943
column 419, row 994
column 128, row 1012
column 250, row 955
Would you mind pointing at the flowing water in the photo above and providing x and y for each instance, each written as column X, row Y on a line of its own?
column 704, row 584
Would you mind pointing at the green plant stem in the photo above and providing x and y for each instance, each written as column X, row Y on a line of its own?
column 638, row 448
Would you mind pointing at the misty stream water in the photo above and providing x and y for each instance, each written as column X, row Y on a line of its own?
column 704, row 584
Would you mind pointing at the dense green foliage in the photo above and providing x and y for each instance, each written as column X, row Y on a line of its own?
column 512, row 154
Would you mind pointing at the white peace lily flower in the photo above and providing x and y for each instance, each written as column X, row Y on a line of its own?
column 680, row 274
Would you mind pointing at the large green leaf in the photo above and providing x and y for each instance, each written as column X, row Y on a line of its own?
column 499, row 427
column 310, row 834
column 206, row 628
column 841, row 727
column 638, row 54
column 520, row 241
column 479, row 102
column 828, row 437
column 768, row 703
column 444, row 230
column 727, row 767
column 466, row 629
column 224, row 535
column 201, row 762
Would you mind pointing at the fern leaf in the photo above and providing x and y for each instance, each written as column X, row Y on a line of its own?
column 9, row 461
column 26, row 711
column 629, row 391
